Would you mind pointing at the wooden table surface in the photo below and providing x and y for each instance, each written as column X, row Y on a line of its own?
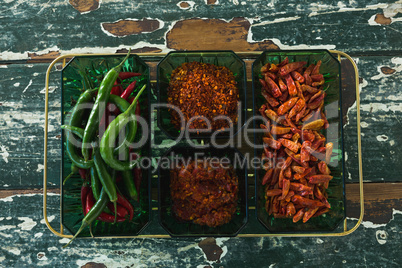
column 33, row 33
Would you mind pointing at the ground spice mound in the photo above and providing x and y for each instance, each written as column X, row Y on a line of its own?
column 203, row 92
column 205, row 193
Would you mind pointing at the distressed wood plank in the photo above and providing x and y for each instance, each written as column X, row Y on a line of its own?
column 381, row 110
column 22, row 102
column 285, row 24
column 27, row 242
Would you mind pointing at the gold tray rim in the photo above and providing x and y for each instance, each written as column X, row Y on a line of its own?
column 345, row 232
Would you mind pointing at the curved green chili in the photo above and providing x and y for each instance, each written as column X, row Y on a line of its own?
column 96, row 186
column 123, row 105
column 111, row 133
column 99, row 107
column 95, row 183
column 75, row 121
column 94, row 213
column 106, row 180
column 74, row 169
column 75, row 130
column 127, row 176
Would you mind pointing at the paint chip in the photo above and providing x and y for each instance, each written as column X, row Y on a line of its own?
column 381, row 236
column 211, row 250
column 4, row 153
column 64, row 241
column 387, row 70
column 210, row 34
column 15, row 251
column 38, row 235
column 382, row 138
column 49, row 219
column 27, row 224
column 41, row 256
column 381, row 19
column 84, row 6
column 40, row 168
column 127, row 27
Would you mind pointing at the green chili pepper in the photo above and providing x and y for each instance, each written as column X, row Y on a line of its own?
column 123, row 105
column 75, row 130
column 74, row 169
column 95, row 183
column 111, row 133
column 94, row 213
column 127, row 176
column 99, row 107
column 75, row 121
column 106, row 179
column 96, row 187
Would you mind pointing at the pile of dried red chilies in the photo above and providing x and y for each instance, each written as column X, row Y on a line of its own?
column 297, row 154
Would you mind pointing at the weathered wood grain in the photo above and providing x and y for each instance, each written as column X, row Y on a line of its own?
column 355, row 26
column 210, row 34
column 381, row 110
column 129, row 27
column 33, row 33
column 26, row 241
column 22, row 103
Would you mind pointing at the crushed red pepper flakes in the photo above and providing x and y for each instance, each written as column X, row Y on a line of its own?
column 203, row 90
column 204, row 193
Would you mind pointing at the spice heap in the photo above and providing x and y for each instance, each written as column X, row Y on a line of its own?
column 203, row 90
column 294, row 116
column 204, row 192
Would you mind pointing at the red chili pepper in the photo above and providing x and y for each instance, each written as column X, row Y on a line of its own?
column 317, row 77
column 121, row 200
column 116, row 89
column 84, row 192
column 291, row 67
column 284, row 62
column 297, row 76
column 272, row 101
column 282, row 85
column 267, row 176
column 126, row 75
column 83, row 173
column 316, row 69
column 299, row 215
column 121, row 210
column 103, row 216
column 127, row 92
column 276, row 92
column 291, row 85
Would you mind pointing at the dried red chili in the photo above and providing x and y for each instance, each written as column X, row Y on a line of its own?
column 202, row 89
column 298, row 189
